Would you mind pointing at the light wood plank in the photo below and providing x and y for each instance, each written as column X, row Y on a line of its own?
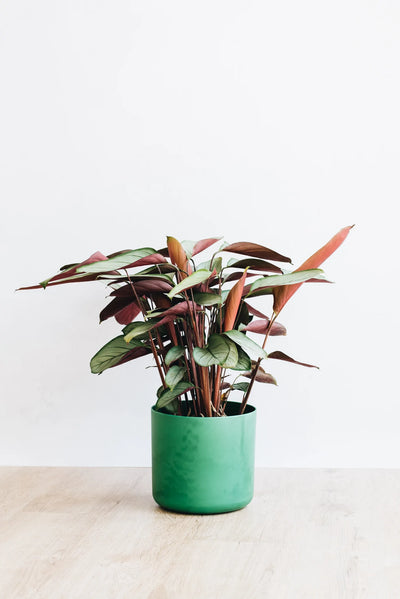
column 83, row 533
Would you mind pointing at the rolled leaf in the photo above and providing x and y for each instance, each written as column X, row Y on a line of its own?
column 178, row 256
column 232, row 303
column 283, row 294
column 278, row 355
column 256, row 251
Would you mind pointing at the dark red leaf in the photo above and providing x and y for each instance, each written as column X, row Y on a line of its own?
column 142, row 288
column 261, row 376
column 235, row 276
column 123, row 308
column 203, row 244
column 255, row 264
column 255, row 312
column 255, row 251
column 177, row 310
column 136, row 352
column 147, row 260
column 278, row 355
column 260, row 326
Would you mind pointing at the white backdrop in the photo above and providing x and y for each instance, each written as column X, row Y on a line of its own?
column 275, row 122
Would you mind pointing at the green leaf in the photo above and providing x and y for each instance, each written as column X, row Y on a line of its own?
column 169, row 395
column 216, row 263
column 207, row 299
column 246, row 343
column 288, row 279
column 244, row 361
column 174, row 375
column 111, row 353
column 117, row 262
column 188, row 246
column 241, row 386
column 194, row 279
column 219, row 350
column 174, row 354
column 137, row 329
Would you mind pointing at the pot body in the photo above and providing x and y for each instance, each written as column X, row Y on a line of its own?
column 203, row 465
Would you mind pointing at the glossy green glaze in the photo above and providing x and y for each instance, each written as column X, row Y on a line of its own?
column 203, row 465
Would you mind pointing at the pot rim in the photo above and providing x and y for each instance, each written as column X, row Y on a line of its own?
column 250, row 409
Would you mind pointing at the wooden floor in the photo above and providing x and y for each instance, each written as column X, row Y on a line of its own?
column 94, row 533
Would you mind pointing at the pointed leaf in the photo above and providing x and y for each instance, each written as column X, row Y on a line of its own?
column 112, row 353
column 283, row 280
column 169, row 395
column 241, row 387
column 207, row 299
column 191, row 281
column 256, row 251
column 124, row 309
column 174, row 375
column 174, row 354
column 203, row 244
column 138, row 329
column 219, row 351
column 282, row 295
column 261, row 326
column 70, row 275
column 244, row 362
column 262, row 377
column 255, row 312
column 278, row 355
column 122, row 260
column 178, row 310
column 254, row 264
column 246, row 343
column 178, row 256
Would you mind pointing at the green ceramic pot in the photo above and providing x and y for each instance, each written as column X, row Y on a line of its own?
column 203, row 465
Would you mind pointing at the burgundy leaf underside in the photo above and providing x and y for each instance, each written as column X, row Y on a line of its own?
column 261, row 326
column 278, row 355
column 123, row 308
column 255, row 251
column 203, row 244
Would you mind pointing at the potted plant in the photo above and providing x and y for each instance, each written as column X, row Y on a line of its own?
column 195, row 319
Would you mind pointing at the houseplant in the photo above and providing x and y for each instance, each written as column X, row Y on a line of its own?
column 195, row 319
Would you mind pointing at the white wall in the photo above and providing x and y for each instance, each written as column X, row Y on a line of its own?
column 276, row 122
